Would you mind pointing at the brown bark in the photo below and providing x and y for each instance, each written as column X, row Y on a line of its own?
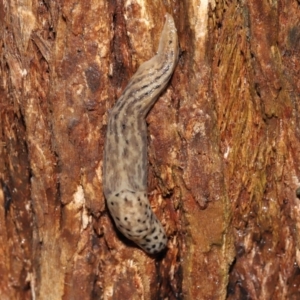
column 224, row 144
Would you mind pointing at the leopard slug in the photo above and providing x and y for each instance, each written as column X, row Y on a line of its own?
column 125, row 152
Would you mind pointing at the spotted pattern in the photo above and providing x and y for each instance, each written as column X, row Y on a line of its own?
column 125, row 154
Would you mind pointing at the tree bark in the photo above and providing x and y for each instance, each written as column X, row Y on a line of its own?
column 223, row 150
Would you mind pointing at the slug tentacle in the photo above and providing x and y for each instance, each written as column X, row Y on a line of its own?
column 125, row 153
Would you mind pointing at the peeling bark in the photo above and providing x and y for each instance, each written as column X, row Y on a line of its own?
column 223, row 153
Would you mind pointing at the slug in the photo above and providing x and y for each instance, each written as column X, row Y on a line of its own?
column 125, row 152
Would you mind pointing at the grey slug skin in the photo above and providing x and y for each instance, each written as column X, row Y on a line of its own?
column 125, row 153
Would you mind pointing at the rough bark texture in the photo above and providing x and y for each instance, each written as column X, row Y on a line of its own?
column 224, row 158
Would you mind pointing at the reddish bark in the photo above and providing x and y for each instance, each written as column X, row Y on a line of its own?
column 223, row 150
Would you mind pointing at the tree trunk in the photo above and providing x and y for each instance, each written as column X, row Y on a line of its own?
column 223, row 150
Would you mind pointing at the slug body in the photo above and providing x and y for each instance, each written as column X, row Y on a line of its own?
column 125, row 153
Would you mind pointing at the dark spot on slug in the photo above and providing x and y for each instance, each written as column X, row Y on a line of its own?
column 123, row 126
column 111, row 203
column 156, row 237
column 153, row 246
column 139, row 220
column 117, row 195
column 148, row 240
column 153, row 230
column 125, row 218
column 139, row 199
column 144, row 86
